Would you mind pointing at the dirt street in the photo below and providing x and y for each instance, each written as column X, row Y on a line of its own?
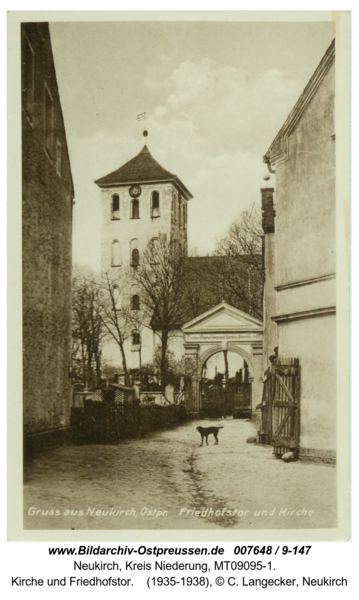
column 168, row 481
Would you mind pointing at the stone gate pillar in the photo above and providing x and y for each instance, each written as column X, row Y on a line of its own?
column 192, row 398
column 257, row 385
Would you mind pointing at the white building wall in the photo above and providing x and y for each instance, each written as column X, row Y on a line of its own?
column 313, row 341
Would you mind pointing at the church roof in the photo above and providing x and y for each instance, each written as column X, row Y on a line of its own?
column 143, row 168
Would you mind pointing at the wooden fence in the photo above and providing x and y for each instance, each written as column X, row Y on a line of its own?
column 107, row 423
column 280, row 407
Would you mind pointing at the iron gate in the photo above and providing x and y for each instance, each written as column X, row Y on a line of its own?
column 215, row 402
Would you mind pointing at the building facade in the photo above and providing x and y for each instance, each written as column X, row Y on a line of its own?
column 47, row 201
column 300, row 288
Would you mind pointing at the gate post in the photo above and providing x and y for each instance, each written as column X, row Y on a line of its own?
column 194, row 405
column 257, row 385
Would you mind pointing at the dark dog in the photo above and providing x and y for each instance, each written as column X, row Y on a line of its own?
column 206, row 431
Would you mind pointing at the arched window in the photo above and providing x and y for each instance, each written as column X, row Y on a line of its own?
column 135, row 209
column 134, row 254
column 135, row 257
column 115, row 254
column 136, row 340
column 155, row 205
column 115, row 207
column 117, row 298
column 180, row 211
column 135, row 302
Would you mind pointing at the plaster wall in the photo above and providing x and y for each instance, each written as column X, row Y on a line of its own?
column 313, row 341
column 320, row 294
column 305, row 196
column 176, row 344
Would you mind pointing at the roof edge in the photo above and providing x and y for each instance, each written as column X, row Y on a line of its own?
column 174, row 180
column 277, row 151
column 216, row 308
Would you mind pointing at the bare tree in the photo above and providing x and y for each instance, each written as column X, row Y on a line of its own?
column 237, row 274
column 117, row 317
column 88, row 332
column 160, row 279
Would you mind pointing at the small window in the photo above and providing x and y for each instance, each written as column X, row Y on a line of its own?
column 49, row 123
column 115, row 207
column 136, row 340
column 58, row 158
column 135, row 209
column 135, row 302
column 155, row 205
column 28, row 78
column 115, row 254
column 135, row 257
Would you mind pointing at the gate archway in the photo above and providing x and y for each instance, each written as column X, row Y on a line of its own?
column 225, row 383
column 225, row 329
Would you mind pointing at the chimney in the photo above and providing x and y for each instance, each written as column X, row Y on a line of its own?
column 268, row 212
column 117, row 378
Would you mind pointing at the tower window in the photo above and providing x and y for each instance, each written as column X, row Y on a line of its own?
column 136, row 340
column 135, row 257
column 155, row 205
column 115, row 207
column 135, row 209
column 134, row 254
column 115, row 254
column 135, row 302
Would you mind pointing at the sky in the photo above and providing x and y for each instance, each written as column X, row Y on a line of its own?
column 215, row 95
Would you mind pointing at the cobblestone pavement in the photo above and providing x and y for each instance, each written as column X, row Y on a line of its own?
column 160, row 481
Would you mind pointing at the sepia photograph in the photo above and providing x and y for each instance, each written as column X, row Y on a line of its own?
column 184, row 275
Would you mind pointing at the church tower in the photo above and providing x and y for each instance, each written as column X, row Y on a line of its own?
column 140, row 201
